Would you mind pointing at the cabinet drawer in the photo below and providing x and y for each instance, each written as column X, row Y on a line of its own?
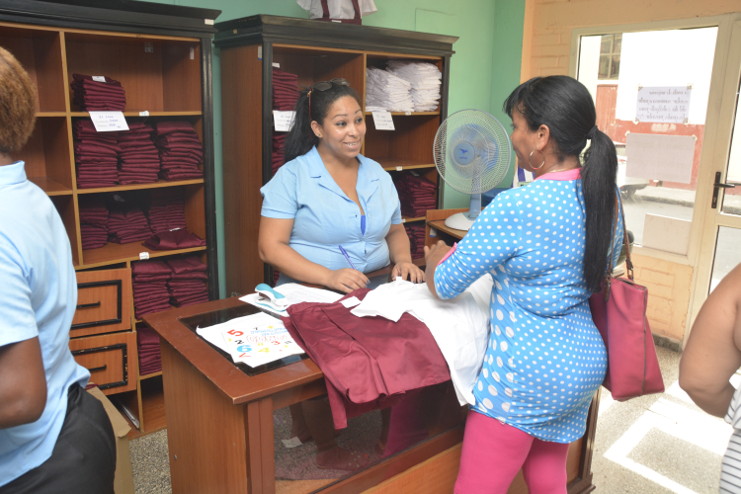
column 111, row 360
column 103, row 302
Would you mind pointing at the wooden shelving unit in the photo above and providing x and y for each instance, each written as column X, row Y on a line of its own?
column 162, row 56
column 315, row 51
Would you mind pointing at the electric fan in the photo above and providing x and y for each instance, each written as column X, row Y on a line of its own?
column 472, row 154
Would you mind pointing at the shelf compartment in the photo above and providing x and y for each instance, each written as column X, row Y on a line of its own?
column 66, row 209
column 193, row 199
column 47, row 156
column 411, row 142
column 40, row 53
column 157, row 75
column 313, row 65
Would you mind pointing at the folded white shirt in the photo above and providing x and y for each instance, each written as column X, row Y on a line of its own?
column 460, row 326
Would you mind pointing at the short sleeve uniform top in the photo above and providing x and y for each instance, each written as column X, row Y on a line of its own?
column 545, row 358
column 324, row 217
column 38, row 295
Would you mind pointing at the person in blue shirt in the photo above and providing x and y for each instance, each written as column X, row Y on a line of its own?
column 546, row 246
column 54, row 436
column 330, row 214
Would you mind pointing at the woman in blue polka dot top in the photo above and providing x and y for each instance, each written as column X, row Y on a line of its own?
column 546, row 246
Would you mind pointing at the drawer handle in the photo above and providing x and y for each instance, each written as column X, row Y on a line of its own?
column 98, row 369
column 88, row 306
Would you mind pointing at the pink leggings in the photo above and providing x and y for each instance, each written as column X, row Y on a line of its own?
column 493, row 453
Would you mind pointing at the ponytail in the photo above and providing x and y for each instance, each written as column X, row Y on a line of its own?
column 300, row 138
column 598, row 183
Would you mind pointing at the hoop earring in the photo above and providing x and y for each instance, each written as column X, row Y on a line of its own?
column 530, row 161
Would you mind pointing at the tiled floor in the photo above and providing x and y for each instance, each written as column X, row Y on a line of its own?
column 658, row 444
column 651, row 445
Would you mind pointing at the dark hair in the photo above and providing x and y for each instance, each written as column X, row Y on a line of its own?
column 17, row 104
column 301, row 138
column 564, row 105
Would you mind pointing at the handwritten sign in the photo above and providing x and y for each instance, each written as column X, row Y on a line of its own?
column 108, row 121
column 383, row 120
column 283, row 120
column 663, row 104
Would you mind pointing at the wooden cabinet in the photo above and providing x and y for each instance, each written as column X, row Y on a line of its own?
column 101, row 336
column 161, row 56
column 313, row 51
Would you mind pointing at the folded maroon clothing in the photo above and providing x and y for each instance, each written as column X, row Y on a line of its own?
column 184, row 265
column 174, row 239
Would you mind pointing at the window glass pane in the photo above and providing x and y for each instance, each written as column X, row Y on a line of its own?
column 654, row 111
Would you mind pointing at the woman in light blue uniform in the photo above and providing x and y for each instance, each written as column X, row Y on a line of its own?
column 329, row 216
column 546, row 246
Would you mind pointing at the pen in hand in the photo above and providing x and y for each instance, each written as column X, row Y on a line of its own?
column 347, row 256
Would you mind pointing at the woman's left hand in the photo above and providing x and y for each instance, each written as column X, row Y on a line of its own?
column 408, row 271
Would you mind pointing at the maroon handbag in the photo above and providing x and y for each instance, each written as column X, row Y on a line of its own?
column 619, row 312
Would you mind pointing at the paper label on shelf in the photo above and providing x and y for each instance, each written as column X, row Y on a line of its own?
column 108, row 121
column 144, row 113
column 99, row 78
column 383, row 120
column 143, row 256
column 283, row 120
column 399, row 168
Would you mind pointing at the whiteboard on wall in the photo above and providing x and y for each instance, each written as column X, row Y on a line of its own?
column 660, row 156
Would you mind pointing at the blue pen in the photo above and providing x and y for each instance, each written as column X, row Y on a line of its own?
column 344, row 253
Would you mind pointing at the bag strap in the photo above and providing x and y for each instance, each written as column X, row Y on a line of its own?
column 626, row 241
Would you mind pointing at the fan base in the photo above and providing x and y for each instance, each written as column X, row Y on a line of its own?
column 459, row 221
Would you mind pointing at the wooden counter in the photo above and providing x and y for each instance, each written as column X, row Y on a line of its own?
column 221, row 432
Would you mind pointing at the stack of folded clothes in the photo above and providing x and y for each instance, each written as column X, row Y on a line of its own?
column 166, row 212
column 181, row 151
column 127, row 222
column 416, row 234
column 148, row 344
column 97, row 93
column 179, row 238
column 416, row 194
column 285, row 95
column 189, row 281
column 96, row 155
column 149, row 282
column 139, row 159
column 93, row 222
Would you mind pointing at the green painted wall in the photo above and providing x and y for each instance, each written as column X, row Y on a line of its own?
column 484, row 69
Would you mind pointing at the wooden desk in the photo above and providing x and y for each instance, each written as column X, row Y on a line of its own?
column 436, row 229
column 220, row 423
column 220, row 420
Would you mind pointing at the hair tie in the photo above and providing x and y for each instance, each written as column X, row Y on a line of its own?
column 592, row 132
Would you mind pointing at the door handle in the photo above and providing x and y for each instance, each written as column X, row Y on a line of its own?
column 717, row 185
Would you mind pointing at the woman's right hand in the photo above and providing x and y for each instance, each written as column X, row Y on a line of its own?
column 346, row 280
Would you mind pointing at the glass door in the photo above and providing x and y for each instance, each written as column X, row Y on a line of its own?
column 722, row 230
column 651, row 91
column 667, row 93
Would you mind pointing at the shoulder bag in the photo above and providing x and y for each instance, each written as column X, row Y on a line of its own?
column 619, row 312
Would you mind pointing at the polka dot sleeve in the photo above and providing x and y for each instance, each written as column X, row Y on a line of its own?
column 492, row 239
